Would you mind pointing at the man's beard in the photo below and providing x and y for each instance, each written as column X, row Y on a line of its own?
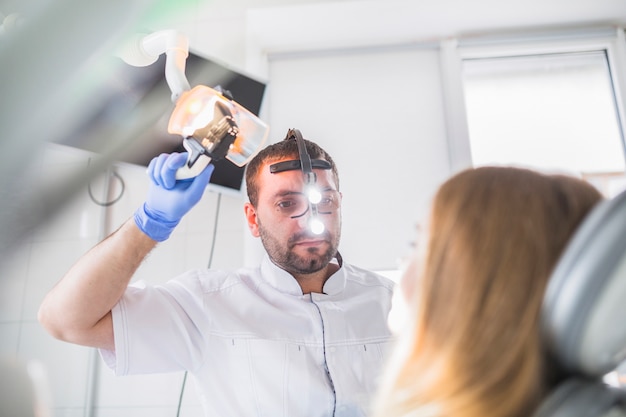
column 315, row 260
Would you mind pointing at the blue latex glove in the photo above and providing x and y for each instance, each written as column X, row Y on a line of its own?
column 169, row 200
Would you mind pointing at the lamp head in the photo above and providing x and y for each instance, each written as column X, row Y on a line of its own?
column 215, row 127
column 212, row 126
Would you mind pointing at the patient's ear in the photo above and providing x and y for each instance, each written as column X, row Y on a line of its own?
column 415, row 257
column 407, row 285
column 251, row 218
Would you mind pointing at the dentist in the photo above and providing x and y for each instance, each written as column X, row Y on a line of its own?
column 302, row 334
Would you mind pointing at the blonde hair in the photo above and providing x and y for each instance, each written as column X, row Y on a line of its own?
column 472, row 347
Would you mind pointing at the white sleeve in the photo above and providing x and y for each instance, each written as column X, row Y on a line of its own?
column 155, row 330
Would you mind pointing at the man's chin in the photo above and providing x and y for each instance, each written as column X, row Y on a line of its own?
column 310, row 255
column 312, row 261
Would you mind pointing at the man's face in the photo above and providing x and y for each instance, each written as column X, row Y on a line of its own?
column 281, row 220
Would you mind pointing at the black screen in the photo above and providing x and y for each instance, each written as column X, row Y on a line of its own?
column 129, row 91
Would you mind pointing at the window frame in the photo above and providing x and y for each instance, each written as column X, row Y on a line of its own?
column 610, row 41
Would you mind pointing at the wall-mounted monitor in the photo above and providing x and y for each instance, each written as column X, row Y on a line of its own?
column 129, row 89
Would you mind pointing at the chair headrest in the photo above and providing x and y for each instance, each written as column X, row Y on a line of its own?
column 582, row 398
column 584, row 309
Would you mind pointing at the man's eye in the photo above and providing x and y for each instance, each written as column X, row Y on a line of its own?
column 328, row 201
column 325, row 202
column 289, row 205
column 285, row 204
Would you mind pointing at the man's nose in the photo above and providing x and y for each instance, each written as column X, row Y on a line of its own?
column 303, row 220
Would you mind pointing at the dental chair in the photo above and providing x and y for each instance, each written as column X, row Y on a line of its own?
column 584, row 317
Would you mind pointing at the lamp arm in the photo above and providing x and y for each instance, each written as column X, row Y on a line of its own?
column 175, row 72
column 144, row 50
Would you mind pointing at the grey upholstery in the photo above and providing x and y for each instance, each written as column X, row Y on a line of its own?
column 584, row 316
column 582, row 398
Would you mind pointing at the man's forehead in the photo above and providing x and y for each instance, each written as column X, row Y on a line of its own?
column 273, row 160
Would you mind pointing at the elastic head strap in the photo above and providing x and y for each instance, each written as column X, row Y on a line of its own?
column 305, row 159
column 304, row 163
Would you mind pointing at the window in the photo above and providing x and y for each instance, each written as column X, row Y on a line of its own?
column 554, row 110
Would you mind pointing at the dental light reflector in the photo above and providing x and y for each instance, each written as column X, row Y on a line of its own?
column 314, row 195
column 316, row 226
column 311, row 191
column 214, row 127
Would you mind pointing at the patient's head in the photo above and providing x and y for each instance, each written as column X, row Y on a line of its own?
column 472, row 345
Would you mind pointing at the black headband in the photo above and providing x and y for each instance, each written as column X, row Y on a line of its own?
column 304, row 163
column 297, row 164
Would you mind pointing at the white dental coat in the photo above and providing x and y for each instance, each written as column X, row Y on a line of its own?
column 255, row 344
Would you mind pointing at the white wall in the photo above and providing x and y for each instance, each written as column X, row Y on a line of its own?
column 41, row 260
column 379, row 113
column 32, row 270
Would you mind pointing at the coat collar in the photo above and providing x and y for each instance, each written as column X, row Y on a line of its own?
column 284, row 282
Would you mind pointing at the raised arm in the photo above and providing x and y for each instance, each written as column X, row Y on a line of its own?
column 78, row 308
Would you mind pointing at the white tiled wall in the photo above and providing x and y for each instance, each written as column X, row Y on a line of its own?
column 41, row 260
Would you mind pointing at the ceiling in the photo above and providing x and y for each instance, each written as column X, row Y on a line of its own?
column 440, row 18
column 350, row 21
column 299, row 25
column 434, row 16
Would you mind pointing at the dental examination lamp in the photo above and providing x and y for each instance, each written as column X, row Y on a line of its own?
column 213, row 126
column 311, row 191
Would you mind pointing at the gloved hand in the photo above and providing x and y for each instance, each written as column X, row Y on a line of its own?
column 169, row 200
